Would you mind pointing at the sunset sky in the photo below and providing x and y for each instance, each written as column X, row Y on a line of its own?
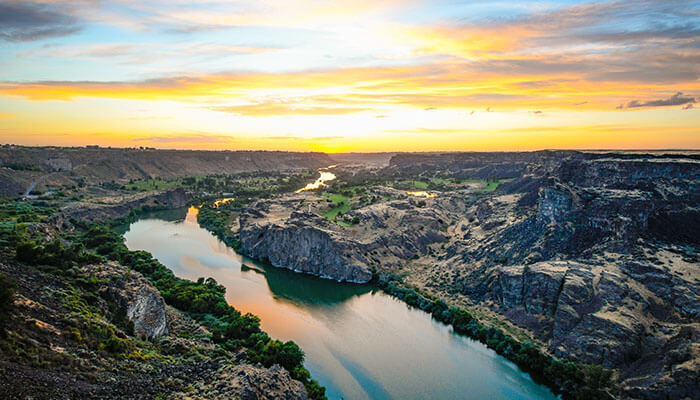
column 361, row 75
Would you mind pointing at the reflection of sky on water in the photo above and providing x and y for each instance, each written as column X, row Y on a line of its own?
column 359, row 343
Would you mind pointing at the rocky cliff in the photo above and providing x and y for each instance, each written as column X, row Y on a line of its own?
column 99, row 165
column 132, row 292
column 288, row 236
column 117, row 207
column 593, row 255
column 304, row 243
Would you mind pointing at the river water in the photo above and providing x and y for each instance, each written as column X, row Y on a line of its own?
column 359, row 343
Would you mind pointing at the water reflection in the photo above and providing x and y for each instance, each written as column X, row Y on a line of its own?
column 359, row 343
column 429, row 195
column 318, row 183
column 303, row 289
column 223, row 201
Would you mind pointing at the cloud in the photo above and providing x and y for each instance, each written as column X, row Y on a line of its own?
column 25, row 21
column 196, row 138
column 299, row 138
column 273, row 109
column 688, row 106
column 676, row 100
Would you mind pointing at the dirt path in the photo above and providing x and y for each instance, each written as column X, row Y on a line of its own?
column 33, row 184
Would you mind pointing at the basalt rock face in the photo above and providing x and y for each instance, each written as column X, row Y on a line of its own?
column 132, row 292
column 304, row 243
column 595, row 254
column 120, row 207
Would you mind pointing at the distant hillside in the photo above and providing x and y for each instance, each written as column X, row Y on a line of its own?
column 22, row 165
column 373, row 159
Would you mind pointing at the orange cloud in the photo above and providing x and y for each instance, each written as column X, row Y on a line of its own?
column 352, row 90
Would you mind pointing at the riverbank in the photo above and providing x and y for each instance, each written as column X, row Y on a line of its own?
column 571, row 380
column 360, row 342
column 110, row 320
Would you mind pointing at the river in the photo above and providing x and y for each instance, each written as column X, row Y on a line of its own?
column 359, row 343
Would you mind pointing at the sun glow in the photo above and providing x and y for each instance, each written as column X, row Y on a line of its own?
column 413, row 76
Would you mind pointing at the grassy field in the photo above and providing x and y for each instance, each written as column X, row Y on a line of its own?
column 492, row 185
column 342, row 206
column 336, row 198
column 488, row 185
column 333, row 212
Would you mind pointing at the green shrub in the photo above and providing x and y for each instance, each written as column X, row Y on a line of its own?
column 7, row 296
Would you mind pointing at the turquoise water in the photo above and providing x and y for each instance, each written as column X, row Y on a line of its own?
column 359, row 343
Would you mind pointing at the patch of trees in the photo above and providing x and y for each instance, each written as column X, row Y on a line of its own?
column 571, row 380
column 217, row 221
column 205, row 300
column 54, row 254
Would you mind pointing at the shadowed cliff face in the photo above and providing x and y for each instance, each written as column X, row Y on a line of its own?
column 594, row 254
column 304, row 243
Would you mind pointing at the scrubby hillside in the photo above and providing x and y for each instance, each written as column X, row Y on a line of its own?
column 22, row 165
column 81, row 316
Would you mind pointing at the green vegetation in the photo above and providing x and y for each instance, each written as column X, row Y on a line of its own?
column 419, row 184
column 491, row 184
column 341, row 205
column 152, row 184
column 410, row 184
column 96, row 321
column 7, row 295
column 571, row 380
column 339, row 210
column 205, row 299
column 218, row 219
column 336, row 198
column 242, row 185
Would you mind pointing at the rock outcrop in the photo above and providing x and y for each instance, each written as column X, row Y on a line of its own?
column 274, row 231
column 249, row 382
column 594, row 255
column 113, row 208
column 133, row 293
column 304, row 243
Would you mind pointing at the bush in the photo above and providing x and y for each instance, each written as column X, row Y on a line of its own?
column 206, row 300
column 7, row 296
column 571, row 380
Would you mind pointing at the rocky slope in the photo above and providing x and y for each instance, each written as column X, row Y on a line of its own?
column 100, row 209
column 67, row 342
column 284, row 233
column 21, row 165
column 143, row 303
column 595, row 256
